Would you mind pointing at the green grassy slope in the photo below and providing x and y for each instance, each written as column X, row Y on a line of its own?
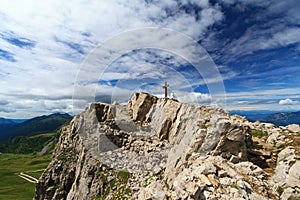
column 11, row 185
column 29, row 144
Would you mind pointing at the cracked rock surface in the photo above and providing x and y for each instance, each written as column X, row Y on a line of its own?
column 159, row 148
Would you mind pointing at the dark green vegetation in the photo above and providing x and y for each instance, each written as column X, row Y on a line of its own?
column 116, row 186
column 6, row 121
column 39, row 134
column 34, row 140
column 30, row 144
column 11, row 185
column 280, row 190
column 259, row 133
column 34, row 126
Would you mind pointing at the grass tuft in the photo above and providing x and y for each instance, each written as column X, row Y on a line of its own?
column 280, row 190
column 259, row 133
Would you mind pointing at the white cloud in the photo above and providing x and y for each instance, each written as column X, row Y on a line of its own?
column 264, row 94
column 41, row 80
column 283, row 38
column 196, row 98
column 3, row 102
column 7, row 110
column 256, row 39
column 64, row 32
column 263, row 99
column 275, row 24
column 288, row 102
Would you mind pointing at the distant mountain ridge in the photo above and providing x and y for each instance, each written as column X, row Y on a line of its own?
column 276, row 118
column 37, row 125
column 283, row 118
column 11, row 121
column 6, row 121
column 256, row 115
column 159, row 148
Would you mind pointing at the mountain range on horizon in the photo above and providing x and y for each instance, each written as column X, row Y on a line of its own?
column 18, row 135
column 11, row 121
column 148, row 124
column 10, row 128
column 13, row 127
column 277, row 118
column 283, row 118
column 159, row 148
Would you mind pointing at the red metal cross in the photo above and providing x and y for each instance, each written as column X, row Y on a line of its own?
column 165, row 86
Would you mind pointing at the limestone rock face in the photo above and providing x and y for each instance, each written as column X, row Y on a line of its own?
column 287, row 174
column 213, row 177
column 66, row 176
column 159, row 148
column 139, row 105
column 294, row 128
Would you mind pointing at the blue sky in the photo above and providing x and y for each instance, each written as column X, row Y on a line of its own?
column 44, row 46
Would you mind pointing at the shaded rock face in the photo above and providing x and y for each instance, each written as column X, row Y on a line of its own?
column 69, row 171
column 139, row 106
column 294, row 128
column 287, row 175
column 208, row 129
column 213, row 177
column 155, row 148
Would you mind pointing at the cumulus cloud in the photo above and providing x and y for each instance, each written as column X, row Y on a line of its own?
column 7, row 110
column 268, row 25
column 43, row 43
column 263, row 99
column 288, row 102
column 3, row 102
column 194, row 97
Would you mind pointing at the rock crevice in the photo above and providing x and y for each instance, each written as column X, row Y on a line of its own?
column 156, row 148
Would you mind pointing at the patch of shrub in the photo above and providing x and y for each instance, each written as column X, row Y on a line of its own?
column 258, row 133
column 280, row 190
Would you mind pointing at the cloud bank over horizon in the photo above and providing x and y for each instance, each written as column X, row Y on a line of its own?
column 255, row 45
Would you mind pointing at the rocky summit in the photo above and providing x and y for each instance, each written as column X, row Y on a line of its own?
column 159, row 148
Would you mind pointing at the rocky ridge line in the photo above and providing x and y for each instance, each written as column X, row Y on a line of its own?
column 155, row 148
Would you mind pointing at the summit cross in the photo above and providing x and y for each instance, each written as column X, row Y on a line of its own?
column 165, row 86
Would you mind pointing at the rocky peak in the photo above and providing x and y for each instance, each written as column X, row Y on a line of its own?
column 158, row 148
column 139, row 106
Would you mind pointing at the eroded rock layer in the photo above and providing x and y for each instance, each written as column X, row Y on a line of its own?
column 159, row 148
